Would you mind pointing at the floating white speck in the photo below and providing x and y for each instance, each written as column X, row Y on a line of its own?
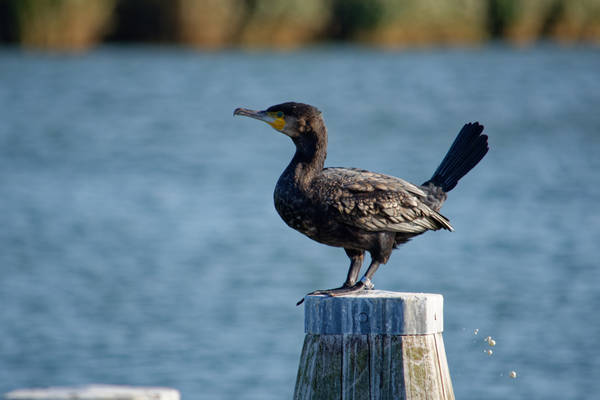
column 512, row 374
column 476, row 331
column 489, row 352
column 490, row 341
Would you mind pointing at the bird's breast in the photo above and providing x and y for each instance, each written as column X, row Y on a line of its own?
column 296, row 209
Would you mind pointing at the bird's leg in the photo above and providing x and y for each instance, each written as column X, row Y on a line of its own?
column 356, row 261
column 379, row 255
column 366, row 279
column 364, row 284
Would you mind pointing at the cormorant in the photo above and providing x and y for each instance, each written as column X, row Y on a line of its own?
column 357, row 209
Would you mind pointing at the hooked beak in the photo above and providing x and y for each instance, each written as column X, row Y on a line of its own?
column 260, row 115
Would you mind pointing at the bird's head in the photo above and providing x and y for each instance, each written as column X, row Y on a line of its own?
column 293, row 119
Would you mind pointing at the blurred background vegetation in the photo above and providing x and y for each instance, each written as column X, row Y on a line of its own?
column 80, row 24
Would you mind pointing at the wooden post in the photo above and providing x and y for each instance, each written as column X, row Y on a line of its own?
column 374, row 345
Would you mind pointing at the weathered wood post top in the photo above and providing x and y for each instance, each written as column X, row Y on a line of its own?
column 375, row 312
column 374, row 345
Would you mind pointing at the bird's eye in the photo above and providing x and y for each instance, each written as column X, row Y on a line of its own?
column 279, row 114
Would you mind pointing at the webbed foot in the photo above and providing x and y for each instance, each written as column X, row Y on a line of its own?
column 363, row 284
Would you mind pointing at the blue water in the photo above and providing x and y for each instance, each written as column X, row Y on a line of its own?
column 139, row 244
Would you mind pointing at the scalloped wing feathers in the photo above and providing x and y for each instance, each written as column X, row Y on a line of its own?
column 378, row 202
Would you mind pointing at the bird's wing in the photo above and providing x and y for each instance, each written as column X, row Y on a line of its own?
column 377, row 202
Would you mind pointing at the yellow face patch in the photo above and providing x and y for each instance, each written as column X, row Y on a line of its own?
column 278, row 120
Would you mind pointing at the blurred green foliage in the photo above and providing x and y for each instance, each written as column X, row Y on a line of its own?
column 500, row 14
column 351, row 17
column 77, row 24
column 68, row 24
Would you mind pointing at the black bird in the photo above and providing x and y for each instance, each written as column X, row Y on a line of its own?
column 357, row 209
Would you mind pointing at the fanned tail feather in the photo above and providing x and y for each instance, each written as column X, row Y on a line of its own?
column 468, row 149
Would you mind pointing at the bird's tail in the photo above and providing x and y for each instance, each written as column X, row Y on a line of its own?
column 468, row 149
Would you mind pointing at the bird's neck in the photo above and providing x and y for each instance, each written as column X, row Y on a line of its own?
column 309, row 159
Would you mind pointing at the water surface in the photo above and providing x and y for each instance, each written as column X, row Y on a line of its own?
column 139, row 244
